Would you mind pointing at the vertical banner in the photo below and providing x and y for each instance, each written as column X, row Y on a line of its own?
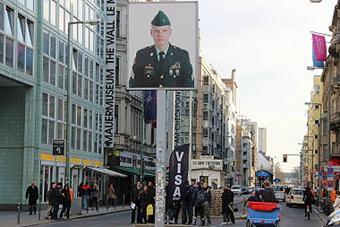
column 319, row 47
column 150, row 106
column 178, row 167
column 177, row 119
column 317, row 64
column 110, row 58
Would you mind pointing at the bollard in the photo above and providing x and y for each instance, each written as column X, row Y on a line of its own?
column 116, row 203
column 18, row 208
column 39, row 209
column 123, row 200
column 107, row 203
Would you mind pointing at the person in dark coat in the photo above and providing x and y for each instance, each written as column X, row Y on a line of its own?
column 135, row 199
column 227, row 202
column 65, row 201
column 32, row 195
column 144, row 199
column 151, row 201
column 308, row 199
column 188, row 203
column 267, row 194
column 201, row 199
column 55, row 200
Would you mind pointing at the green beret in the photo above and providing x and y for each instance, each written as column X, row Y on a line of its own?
column 160, row 19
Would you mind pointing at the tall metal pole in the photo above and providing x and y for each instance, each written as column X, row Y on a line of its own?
column 160, row 156
column 142, row 153
column 68, row 104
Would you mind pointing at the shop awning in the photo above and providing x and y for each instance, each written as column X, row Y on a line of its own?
column 135, row 171
column 107, row 172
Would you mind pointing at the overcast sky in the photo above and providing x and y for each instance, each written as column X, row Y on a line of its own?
column 269, row 43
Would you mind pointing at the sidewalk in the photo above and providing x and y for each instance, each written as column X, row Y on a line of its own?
column 10, row 218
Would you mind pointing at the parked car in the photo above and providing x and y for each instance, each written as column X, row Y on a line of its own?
column 236, row 189
column 295, row 197
column 251, row 190
column 244, row 191
column 279, row 192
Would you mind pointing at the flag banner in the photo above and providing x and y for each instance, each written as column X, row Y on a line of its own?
column 317, row 64
column 319, row 47
column 150, row 106
column 178, row 171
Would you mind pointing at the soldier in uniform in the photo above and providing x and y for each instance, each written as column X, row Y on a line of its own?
column 162, row 64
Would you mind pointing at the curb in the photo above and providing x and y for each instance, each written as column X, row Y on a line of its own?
column 320, row 216
column 76, row 217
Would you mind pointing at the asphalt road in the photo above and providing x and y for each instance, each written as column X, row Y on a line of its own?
column 290, row 217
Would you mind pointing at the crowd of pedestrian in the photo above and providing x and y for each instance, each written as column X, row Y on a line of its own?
column 58, row 196
column 195, row 204
column 143, row 203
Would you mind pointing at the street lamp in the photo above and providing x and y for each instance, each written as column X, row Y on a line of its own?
column 68, row 93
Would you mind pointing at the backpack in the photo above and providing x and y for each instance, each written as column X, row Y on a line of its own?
column 200, row 197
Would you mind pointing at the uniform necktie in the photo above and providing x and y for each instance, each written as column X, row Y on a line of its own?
column 161, row 58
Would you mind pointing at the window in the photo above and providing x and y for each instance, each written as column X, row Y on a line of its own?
column 9, row 52
column 53, row 13
column 206, row 98
column 9, row 21
column 21, row 57
column 61, row 52
column 29, row 61
column 53, row 47
column 44, row 131
column 2, row 49
column 1, row 16
column 46, row 43
column 21, row 28
column 60, row 109
column 61, row 77
column 44, row 104
column 205, row 80
column 45, row 70
column 52, row 72
column 47, row 10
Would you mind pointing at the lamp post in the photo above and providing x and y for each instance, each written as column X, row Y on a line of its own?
column 68, row 94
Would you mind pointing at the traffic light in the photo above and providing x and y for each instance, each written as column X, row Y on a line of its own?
column 284, row 158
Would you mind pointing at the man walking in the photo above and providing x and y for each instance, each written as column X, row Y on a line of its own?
column 32, row 195
column 188, row 203
column 227, row 202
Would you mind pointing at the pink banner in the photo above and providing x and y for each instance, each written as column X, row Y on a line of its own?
column 319, row 47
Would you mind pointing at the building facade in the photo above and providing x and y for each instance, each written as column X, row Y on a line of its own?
column 33, row 81
column 312, row 138
column 246, row 152
column 216, row 118
column 262, row 142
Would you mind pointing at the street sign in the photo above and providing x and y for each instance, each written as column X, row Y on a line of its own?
column 58, row 147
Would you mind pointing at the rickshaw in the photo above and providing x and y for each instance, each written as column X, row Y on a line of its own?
column 263, row 214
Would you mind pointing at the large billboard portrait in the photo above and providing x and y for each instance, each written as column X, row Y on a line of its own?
column 162, row 45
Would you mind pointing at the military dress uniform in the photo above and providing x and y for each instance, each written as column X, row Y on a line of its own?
column 170, row 69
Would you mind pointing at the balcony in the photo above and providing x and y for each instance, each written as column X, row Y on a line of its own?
column 335, row 120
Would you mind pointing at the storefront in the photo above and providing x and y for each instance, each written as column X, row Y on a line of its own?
column 82, row 170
